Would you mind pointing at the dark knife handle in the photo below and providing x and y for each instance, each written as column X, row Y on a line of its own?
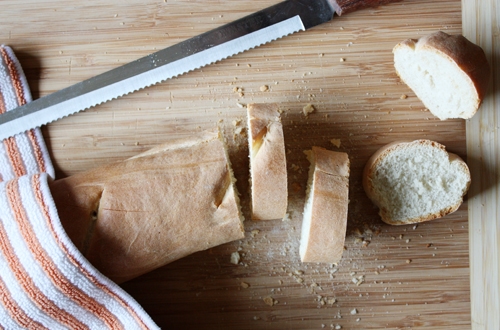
column 346, row 6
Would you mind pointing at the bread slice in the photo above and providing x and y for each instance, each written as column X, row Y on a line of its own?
column 415, row 181
column 131, row 217
column 449, row 74
column 325, row 211
column 269, row 188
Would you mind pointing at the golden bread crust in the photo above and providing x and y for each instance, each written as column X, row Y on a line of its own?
column 131, row 217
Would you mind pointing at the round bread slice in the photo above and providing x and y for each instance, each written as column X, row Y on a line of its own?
column 325, row 211
column 449, row 74
column 416, row 181
column 268, row 175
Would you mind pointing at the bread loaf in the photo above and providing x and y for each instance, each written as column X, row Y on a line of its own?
column 325, row 211
column 449, row 74
column 131, row 217
column 268, row 175
column 415, row 181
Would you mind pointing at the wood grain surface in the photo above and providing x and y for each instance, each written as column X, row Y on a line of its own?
column 481, row 24
column 390, row 277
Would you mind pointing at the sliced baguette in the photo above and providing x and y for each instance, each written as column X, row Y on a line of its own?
column 269, row 192
column 416, row 181
column 325, row 211
column 131, row 217
column 449, row 74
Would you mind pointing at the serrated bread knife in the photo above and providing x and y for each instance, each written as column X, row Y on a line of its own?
column 243, row 34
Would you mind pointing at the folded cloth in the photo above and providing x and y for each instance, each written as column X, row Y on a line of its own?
column 45, row 282
column 23, row 154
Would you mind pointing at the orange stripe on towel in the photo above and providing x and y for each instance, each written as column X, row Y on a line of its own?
column 37, row 151
column 3, row 108
column 21, row 100
column 25, row 281
column 16, row 312
column 51, row 270
column 14, row 76
column 45, row 210
column 14, row 157
column 10, row 143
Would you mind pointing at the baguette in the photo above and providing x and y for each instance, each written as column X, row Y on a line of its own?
column 131, row 217
column 269, row 192
column 325, row 211
column 449, row 74
column 416, row 181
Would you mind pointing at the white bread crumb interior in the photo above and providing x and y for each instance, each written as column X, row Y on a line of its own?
column 415, row 181
column 449, row 74
column 306, row 219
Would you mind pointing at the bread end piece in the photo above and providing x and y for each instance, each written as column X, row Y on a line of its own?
column 325, row 211
column 448, row 73
column 131, row 217
column 268, row 174
column 415, row 181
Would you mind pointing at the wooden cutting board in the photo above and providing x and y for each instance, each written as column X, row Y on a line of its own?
column 389, row 277
column 481, row 25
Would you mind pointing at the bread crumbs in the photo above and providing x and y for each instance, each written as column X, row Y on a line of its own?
column 239, row 91
column 308, row 109
column 254, row 232
column 358, row 280
column 335, row 142
column 235, row 258
column 331, row 301
column 269, row 301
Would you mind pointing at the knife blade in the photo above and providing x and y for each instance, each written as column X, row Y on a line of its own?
column 251, row 31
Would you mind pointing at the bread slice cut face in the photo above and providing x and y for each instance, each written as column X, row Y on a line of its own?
column 268, row 171
column 325, row 212
column 415, row 181
column 449, row 74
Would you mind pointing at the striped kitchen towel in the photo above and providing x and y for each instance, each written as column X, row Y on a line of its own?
column 23, row 154
column 45, row 283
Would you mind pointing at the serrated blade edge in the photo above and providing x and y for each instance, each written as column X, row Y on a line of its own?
column 151, row 77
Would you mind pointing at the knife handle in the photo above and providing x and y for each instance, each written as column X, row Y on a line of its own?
column 347, row 6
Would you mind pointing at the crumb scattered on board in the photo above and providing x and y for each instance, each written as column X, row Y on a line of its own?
column 235, row 258
column 254, row 232
column 270, row 301
column 239, row 91
column 308, row 109
column 335, row 142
